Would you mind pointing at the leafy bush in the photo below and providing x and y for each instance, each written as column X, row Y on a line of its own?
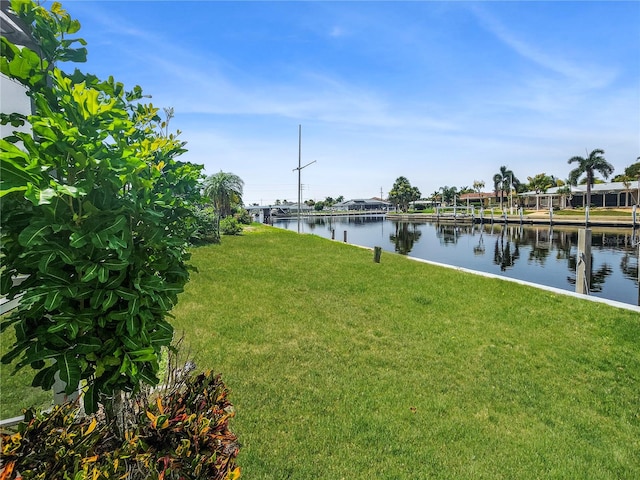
column 96, row 213
column 206, row 226
column 182, row 432
column 243, row 216
column 230, row 226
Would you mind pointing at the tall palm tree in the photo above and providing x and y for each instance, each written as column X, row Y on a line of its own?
column 502, row 182
column 594, row 162
column 225, row 191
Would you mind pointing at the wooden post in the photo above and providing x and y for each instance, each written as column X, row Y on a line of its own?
column 633, row 214
column 345, row 236
column 583, row 263
column 586, row 215
column 377, row 252
column 333, row 234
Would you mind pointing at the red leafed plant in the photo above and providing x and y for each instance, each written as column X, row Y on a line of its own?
column 177, row 433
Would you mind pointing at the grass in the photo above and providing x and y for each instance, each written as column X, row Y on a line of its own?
column 16, row 392
column 343, row 368
column 594, row 212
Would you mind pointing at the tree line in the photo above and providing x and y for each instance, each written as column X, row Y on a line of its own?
column 505, row 182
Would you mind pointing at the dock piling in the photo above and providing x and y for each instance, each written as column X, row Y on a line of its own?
column 377, row 252
column 583, row 264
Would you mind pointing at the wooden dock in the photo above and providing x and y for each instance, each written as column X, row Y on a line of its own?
column 530, row 219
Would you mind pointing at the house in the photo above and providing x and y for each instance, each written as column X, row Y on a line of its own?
column 479, row 199
column 607, row 195
column 369, row 205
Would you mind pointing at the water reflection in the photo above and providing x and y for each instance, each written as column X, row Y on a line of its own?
column 597, row 277
column 506, row 253
column 406, row 234
column 540, row 254
column 629, row 265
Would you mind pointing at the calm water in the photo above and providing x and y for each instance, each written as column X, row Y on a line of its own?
column 538, row 254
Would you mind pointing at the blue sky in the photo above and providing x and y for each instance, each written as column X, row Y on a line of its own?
column 443, row 93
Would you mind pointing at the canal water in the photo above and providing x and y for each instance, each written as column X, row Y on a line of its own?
column 540, row 254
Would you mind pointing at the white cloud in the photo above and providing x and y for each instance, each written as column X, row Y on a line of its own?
column 583, row 75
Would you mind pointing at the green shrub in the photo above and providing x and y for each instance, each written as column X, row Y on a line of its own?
column 230, row 226
column 243, row 216
column 96, row 213
column 206, row 226
column 181, row 433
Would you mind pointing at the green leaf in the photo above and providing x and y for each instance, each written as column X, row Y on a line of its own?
column 130, row 343
column 34, row 234
column 53, row 301
column 54, row 275
column 68, row 190
column 73, row 328
column 45, row 378
column 46, row 259
column 69, row 369
column 126, row 294
column 23, row 65
column 103, row 274
column 133, row 324
column 35, row 353
column 45, row 196
column 66, row 258
column 6, row 282
column 15, row 175
column 78, row 239
column 110, row 298
column 149, row 357
column 11, row 355
column 97, row 298
column 115, row 281
column 90, row 272
column 86, row 345
column 163, row 333
column 118, row 225
column 134, row 307
column 148, row 377
column 100, row 240
column 91, row 399
column 57, row 327
column 115, row 264
column 70, row 291
column 116, row 243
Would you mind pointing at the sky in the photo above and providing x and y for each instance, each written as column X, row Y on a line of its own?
column 442, row 93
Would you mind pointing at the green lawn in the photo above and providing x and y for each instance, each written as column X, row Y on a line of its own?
column 16, row 392
column 594, row 212
column 343, row 368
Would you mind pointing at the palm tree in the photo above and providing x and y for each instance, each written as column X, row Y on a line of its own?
column 225, row 191
column 502, row 181
column 626, row 181
column 594, row 162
